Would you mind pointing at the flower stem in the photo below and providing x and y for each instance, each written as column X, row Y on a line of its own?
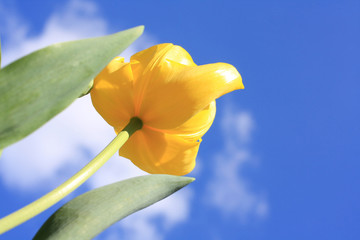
column 48, row 200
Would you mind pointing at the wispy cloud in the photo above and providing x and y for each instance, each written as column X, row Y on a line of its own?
column 229, row 190
column 47, row 153
column 76, row 20
column 167, row 214
column 62, row 146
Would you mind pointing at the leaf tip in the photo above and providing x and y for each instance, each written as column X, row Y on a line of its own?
column 190, row 179
column 138, row 30
column 141, row 28
column 185, row 181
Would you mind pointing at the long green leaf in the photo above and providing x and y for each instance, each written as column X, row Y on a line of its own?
column 89, row 214
column 0, row 69
column 38, row 86
column 0, row 53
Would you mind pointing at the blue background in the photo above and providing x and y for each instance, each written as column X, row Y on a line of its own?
column 300, row 65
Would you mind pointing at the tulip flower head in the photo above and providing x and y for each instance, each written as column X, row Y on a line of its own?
column 172, row 96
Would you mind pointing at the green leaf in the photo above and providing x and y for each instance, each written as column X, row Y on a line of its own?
column 89, row 214
column 38, row 86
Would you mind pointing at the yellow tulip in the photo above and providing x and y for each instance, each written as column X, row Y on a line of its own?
column 174, row 98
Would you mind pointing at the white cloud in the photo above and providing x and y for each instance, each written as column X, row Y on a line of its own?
column 169, row 212
column 238, row 127
column 47, row 153
column 62, row 146
column 76, row 20
column 10, row 23
column 229, row 190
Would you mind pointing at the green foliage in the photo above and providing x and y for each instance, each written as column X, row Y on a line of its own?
column 0, row 68
column 40, row 85
column 89, row 214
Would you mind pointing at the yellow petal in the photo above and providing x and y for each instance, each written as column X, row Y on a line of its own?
column 194, row 128
column 147, row 61
column 155, row 66
column 160, row 153
column 170, row 103
column 112, row 93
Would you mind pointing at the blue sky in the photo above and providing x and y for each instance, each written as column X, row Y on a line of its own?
column 281, row 159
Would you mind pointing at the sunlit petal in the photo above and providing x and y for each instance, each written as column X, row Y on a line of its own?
column 155, row 66
column 194, row 128
column 189, row 91
column 112, row 93
column 174, row 98
column 156, row 152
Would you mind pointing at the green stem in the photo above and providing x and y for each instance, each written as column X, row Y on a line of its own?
column 71, row 184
